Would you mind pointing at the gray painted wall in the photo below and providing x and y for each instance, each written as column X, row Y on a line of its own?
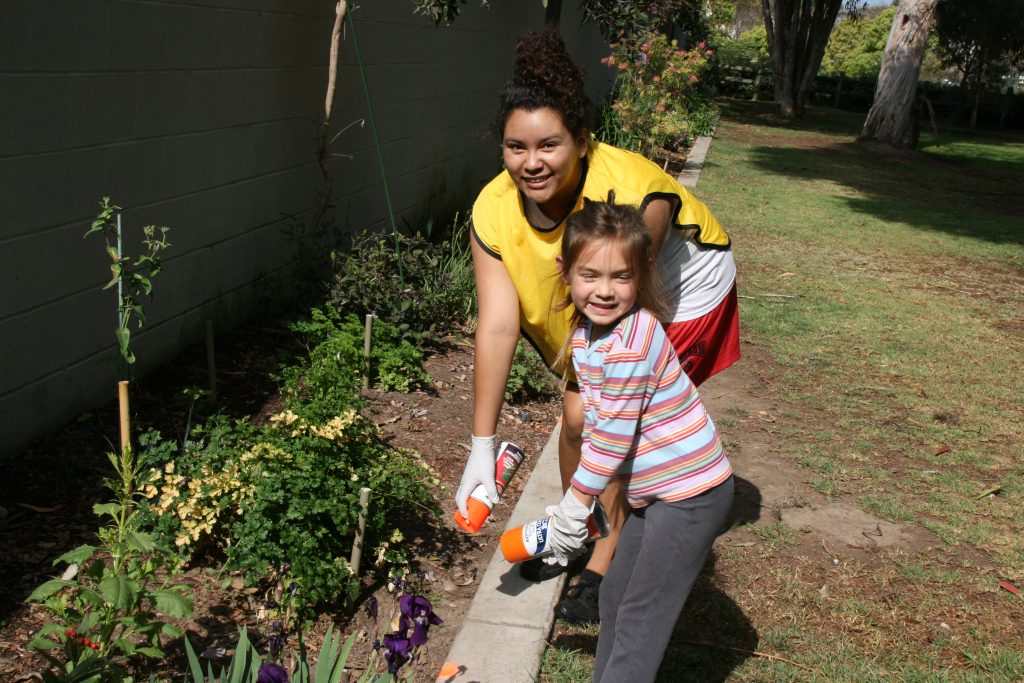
column 200, row 115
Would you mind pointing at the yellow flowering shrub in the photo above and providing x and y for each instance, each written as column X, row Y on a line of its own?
column 287, row 492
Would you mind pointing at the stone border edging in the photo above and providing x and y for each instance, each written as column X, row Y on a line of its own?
column 505, row 632
column 694, row 162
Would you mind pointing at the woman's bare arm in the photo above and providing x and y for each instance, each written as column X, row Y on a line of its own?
column 657, row 215
column 497, row 332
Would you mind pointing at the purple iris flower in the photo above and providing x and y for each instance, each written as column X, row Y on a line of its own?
column 372, row 607
column 272, row 673
column 397, row 651
column 418, row 614
column 417, row 606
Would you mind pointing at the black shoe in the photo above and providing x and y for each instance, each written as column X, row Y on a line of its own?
column 580, row 606
column 539, row 570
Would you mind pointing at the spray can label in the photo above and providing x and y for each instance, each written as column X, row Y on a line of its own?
column 531, row 539
column 535, row 536
column 510, row 457
column 507, row 461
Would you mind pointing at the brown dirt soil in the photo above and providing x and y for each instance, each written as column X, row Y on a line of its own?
column 49, row 493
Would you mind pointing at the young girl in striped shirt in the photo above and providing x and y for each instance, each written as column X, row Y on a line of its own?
column 644, row 425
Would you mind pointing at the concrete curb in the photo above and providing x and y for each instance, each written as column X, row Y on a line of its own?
column 506, row 629
column 504, row 635
column 694, row 162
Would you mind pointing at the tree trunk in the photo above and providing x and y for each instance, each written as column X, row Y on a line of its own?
column 323, row 132
column 552, row 14
column 798, row 31
column 891, row 118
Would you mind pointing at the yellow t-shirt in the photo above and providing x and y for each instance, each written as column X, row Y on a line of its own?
column 500, row 227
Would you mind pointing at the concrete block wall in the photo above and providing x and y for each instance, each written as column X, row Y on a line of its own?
column 200, row 115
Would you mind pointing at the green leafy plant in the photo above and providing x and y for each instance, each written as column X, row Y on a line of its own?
column 332, row 375
column 132, row 277
column 288, row 493
column 412, row 616
column 620, row 20
column 246, row 665
column 528, row 377
column 106, row 606
column 659, row 102
column 305, row 501
column 423, row 288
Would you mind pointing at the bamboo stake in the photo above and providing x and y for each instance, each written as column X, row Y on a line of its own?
column 211, row 361
column 122, row 402
column 357, row 546
column 367, row 338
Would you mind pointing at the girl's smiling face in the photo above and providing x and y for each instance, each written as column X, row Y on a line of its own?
column 543, row 158
column 602, row 285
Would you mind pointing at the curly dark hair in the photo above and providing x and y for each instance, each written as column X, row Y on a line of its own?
column 545, row 76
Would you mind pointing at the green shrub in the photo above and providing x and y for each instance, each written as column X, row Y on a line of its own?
column 659, row 100
column 305, row 501
column 529, row 378
column 423, row 288
column 287, row 492
column 332, row 375
column 749, row 49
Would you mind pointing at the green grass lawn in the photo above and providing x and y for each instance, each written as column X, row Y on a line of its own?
column 888, row 288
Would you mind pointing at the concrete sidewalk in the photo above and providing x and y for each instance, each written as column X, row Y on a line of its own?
column 506, row 629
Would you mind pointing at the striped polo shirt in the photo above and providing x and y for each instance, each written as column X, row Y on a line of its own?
column 644, row 422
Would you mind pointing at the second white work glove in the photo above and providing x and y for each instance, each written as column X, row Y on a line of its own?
column 479, row 470
column 568, row 530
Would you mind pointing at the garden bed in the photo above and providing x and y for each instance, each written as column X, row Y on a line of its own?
column 50, row 491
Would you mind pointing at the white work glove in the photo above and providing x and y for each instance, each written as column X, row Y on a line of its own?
column 479, row 470
column 568, row 530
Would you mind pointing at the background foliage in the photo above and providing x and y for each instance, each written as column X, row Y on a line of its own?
column 424, row 288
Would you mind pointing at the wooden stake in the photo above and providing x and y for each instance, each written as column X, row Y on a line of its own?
column 211, row 361
column 357, row 546
column 122, row 402
column 367, row 337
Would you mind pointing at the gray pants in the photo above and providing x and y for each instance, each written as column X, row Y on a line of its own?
column 658, row 557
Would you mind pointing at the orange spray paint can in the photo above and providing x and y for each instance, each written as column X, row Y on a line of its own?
column 510, row 457
column 531, row 540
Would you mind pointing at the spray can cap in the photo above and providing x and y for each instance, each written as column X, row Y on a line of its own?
column 478, row 513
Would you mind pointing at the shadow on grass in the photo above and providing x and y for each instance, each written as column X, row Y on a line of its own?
column 969, row 190
column 713, row 636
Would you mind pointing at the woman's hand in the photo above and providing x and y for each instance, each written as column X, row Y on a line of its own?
column 479, row 471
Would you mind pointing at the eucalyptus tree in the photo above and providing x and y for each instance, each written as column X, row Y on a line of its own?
column 891, row 117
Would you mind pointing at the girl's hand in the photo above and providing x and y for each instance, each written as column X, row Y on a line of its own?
column 568, row 531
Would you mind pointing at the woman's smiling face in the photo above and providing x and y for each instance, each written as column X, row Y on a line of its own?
column 543, row 158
